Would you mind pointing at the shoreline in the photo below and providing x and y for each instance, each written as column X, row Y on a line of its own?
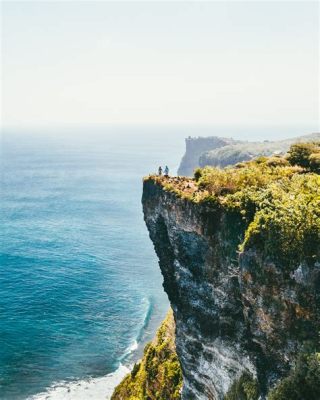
column 86, row 389
column 100, row 388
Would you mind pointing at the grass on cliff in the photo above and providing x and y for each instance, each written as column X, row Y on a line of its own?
column 158, row 375
column 278, row 199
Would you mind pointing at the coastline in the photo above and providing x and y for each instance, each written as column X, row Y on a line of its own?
column 95, row 388
column 99, row 388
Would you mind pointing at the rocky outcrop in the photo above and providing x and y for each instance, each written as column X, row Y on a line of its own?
column 195, row 147
column 235, row 313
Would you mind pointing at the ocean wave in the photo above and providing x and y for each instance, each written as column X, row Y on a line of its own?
column 97, row 388
column 87, row 389
column 135, row 344
column 146, row 318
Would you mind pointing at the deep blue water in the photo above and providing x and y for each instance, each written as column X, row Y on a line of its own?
column 79, row 280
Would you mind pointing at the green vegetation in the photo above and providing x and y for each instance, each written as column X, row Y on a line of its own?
column 289, row 210
column 306, row 155
column 255, row 174
column 245, row 388
column 275, row 199
column 314, row 160
column 303, row 382
column 278, row 200
column 158, row 375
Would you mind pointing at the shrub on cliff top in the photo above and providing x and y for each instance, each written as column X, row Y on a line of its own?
column 254, row 174
column 314, row 160
column 305, row 155
column 197, row 174
column 279, row 203
column 286, row 221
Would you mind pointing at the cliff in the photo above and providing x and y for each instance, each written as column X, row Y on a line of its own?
column 221, row 152
column 158, row 374
column 195, row 147
column 239, row 251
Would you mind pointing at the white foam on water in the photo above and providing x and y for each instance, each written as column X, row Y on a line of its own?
column 94, row 388
column 130, row 350
column 90, row 389
column 133, row 347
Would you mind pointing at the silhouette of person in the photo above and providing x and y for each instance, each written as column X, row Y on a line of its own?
column 160, row 171
column 166, row 171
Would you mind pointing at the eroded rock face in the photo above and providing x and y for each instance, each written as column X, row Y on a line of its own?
column 198, row 266
column 195, row 147
column 233, row 314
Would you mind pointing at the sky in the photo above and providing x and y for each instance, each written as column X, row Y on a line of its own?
column 200, row 63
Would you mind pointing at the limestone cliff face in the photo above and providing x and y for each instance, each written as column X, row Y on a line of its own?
column 195, row 147
column 234, row 313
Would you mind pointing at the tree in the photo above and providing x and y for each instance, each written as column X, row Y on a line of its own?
column 299, row 154
column 314, row 160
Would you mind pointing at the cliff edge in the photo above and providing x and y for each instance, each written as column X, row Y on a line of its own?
column 239, row 250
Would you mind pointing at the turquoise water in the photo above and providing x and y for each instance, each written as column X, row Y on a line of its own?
column 80, row 288
column 79, row 281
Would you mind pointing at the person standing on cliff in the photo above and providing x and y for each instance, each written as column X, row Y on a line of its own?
column 160, row 171
column 166, row 171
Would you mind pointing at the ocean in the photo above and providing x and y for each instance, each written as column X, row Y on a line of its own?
column 80, row 287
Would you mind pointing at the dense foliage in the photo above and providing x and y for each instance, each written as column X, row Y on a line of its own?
column 306, row 155
column 275, row 199
column 303, row 382
column 289, row 210
column 256, row 174
column 158, row 375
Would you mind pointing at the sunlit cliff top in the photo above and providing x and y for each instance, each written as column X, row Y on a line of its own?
column 278, row 199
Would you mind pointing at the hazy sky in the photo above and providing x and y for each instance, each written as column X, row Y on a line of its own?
column 160, row 62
